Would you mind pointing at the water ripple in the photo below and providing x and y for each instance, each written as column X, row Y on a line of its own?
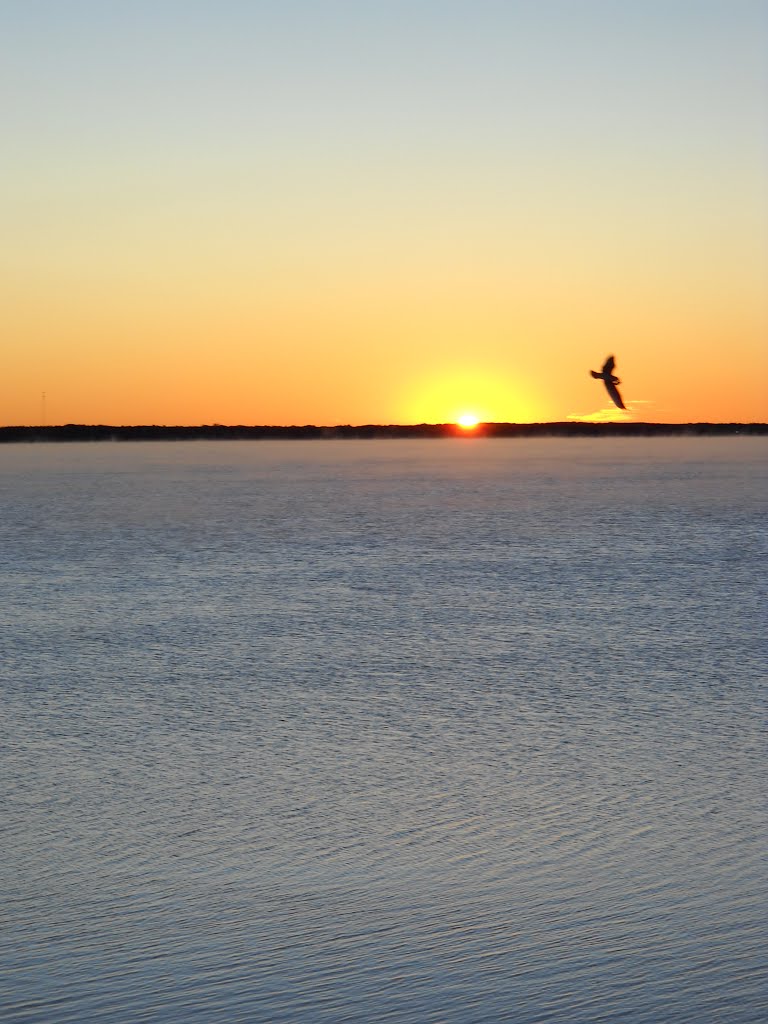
column 352, row 732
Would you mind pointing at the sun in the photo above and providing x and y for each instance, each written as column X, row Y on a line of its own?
column 468, row 397
column 467, row 421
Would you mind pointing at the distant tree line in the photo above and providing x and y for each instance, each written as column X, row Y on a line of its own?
column 219, row 432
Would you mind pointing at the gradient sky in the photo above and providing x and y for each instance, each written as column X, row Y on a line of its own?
column 356, row 211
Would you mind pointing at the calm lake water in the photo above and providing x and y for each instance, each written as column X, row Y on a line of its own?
column 416, row 731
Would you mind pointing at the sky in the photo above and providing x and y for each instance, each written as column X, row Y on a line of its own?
column 380, row 211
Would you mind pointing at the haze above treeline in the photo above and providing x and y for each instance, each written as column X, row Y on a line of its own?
column 219, row 432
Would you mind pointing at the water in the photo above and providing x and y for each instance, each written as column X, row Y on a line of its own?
column 444, row 731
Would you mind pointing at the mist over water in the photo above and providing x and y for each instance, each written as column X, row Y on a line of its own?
column 451, row 731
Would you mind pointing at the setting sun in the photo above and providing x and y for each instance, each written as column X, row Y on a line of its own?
column 467, row 421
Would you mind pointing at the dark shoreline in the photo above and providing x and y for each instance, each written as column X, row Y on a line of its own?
column 218, row 432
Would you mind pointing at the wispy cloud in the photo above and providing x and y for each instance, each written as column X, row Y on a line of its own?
column 610, row 414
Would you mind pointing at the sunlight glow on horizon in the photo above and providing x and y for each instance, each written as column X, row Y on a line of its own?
column 469, row 393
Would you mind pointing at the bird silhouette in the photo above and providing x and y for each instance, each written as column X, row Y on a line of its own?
column 606, row 375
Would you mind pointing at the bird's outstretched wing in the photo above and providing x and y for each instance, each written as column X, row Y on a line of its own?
column 608, row 366
column 613, row 392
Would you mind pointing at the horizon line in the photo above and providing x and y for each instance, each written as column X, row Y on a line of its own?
column 490, row 429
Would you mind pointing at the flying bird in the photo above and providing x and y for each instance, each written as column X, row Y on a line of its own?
column 606, row 375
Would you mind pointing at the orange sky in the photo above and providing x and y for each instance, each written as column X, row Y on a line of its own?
column 228, row 213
